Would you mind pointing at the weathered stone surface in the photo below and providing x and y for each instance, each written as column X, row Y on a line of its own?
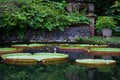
column 70, row 34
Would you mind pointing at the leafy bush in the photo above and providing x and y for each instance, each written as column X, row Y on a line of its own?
column 18, row 16
column 115, row 13
column 12, row 17
column 105, row 22
column 52, row 15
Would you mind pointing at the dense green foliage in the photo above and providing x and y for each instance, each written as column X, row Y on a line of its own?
column 113, row 10
column 12, row 16
column 100, row 6
column 105, row 22
column 20, row 15
column 115, row 13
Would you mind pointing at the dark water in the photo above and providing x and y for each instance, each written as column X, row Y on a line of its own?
column 65, row 71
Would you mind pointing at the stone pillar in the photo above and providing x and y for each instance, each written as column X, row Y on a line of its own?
column 92, row 16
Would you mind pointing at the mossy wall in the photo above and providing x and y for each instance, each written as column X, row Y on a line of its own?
column 70, row 34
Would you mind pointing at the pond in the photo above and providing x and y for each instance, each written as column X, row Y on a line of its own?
column 67, row 70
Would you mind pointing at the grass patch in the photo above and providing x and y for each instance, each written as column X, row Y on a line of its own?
column 99, row 39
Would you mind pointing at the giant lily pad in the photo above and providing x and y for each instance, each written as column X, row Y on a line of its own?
column 36, row 45
column 26, row 46
column 72, row 48
column 28, row 59
column 90, row 45
column 14, row 59
column 95, row 62
column 80, row 47
column 63, row 45
column 10, row 50
column 105, row 51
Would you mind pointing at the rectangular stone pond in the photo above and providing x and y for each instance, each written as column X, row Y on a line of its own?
column 63, row 71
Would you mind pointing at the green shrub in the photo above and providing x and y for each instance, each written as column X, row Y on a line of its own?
column 17, row 16
column 105, row 22
column 52, row 15
column 12, row 17
column 115, row 13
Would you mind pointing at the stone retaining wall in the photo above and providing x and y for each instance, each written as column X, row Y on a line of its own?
column 70, row 34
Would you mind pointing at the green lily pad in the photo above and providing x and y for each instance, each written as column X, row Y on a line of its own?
column 20, row 45
column 55, row 55
column 95, row 62
column 7, row 49
column 15, row 54
column 88, row 45
column 36, row 56
column 106, row 49
column 35, row 44
column 27, row 45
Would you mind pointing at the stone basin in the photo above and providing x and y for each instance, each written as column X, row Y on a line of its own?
column 29, row 59
column 27, row 46
column 95, row 62
column 10, row 50
column 105, row 51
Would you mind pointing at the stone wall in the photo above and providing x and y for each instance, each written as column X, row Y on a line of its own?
column 70, row 34
column 81, row 5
